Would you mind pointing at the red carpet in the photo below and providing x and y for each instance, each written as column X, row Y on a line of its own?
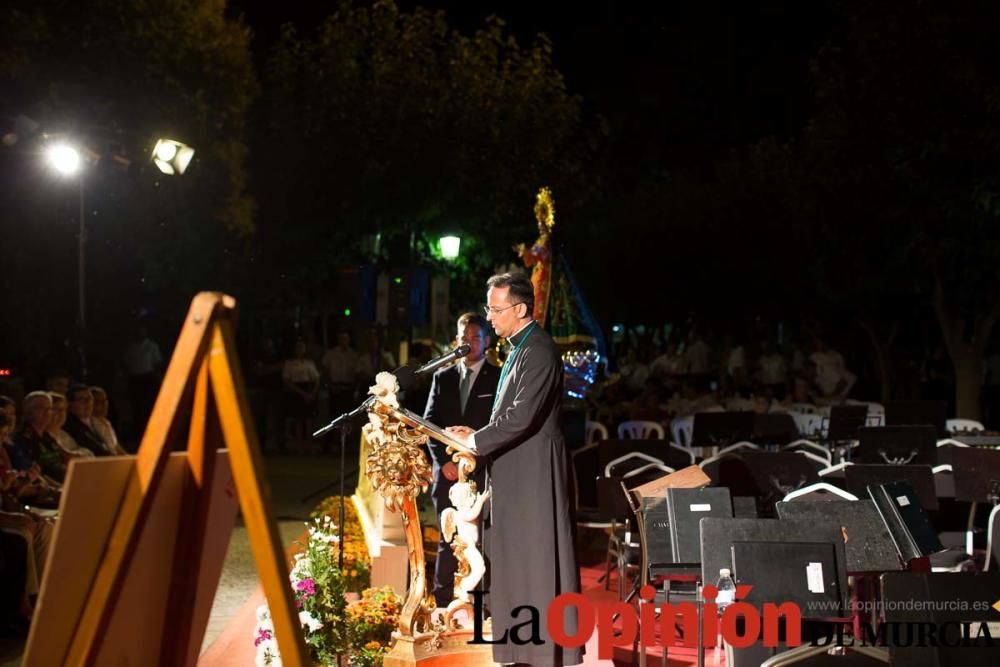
column 234, row 646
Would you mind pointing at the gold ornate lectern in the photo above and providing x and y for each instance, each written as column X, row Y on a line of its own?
column 399, row 470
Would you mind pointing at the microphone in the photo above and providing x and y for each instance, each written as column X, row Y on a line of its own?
column 434, row 364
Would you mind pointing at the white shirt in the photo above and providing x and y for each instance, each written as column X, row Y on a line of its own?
column 299, row 370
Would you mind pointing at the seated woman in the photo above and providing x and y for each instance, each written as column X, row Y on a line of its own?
column 36, row 531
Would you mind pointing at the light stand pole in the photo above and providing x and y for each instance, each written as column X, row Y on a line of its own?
column 68, row 161
column 82, row 284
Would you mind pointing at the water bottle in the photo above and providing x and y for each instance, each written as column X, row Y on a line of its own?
column 727, row 589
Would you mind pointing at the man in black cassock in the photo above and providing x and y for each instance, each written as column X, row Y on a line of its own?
column 460, row 394
column 528, row 539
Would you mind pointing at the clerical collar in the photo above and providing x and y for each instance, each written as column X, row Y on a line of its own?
column 513, row 338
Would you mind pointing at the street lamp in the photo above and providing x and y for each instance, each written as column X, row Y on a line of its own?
column 171, row 156
column 449, row 246
column 66, row 160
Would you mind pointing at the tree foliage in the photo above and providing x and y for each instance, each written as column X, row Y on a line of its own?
column 394, row 123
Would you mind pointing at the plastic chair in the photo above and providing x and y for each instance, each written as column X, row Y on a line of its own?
column 640, row 430
column 595, row 432
column 956, row 426
column 680, row 430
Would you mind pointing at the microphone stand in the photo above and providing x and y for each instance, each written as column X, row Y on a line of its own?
column 343, row 424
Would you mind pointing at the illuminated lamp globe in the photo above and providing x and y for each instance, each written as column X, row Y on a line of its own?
column 449, row 246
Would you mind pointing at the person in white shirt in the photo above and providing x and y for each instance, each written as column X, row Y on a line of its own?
column 341, row 365
column 772, row 371
column 300, row 378
column 832, row 377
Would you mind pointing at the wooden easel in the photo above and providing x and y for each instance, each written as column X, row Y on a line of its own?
column 144, row 537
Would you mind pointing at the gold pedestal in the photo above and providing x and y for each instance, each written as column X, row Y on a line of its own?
column 443, row 650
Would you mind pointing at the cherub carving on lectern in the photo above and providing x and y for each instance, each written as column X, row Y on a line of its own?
column 460, row 525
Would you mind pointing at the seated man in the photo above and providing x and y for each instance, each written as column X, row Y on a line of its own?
column 80, row 400
column 102, row 425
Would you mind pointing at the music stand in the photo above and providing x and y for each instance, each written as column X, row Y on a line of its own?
column 978, row 590
column 898, row 445
column 774, row 428
column 977, row 474
column 845, row 420
column 721, row 429
column 976, row 479
column 908, row 523
column 859, row 477
column 686, row 507
column 867, row 543
column 777, row 474
column 719, row 535
column 918, row 413
column 745, row 507
column 777, row 553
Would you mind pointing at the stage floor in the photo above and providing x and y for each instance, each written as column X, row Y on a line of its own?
column 233, row 647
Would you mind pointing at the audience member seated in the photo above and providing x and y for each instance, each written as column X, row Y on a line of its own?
column 80, row 401
column 832, row 377
column 772, row 371
column 34, row 442
column 35, row 531
column 63, row 439
column 102, row 425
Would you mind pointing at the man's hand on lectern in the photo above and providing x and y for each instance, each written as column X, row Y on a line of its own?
column 450, row 471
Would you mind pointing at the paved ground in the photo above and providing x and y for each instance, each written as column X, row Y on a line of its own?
column 292, row 478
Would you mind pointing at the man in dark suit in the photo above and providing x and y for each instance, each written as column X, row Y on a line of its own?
column 460, row 394
column 528, row 540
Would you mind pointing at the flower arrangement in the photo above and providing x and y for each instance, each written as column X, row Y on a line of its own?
column 334, row 629
column 372, row 620
column 357, row 563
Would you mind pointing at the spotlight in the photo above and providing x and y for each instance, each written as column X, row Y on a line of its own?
column 172, row 157
column 64, row 158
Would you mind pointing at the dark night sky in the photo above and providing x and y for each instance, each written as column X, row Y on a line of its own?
column 681, row 80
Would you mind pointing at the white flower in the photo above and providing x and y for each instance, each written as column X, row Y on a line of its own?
column 267, row 655
column 263, row 616
column 385, row 389
column 311, row 623
column 299, row 569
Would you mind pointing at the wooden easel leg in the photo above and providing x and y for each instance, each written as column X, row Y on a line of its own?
column 141, row 489
column 203, row 442
column 255, row 496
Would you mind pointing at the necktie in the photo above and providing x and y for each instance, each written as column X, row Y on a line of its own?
column 463, row 388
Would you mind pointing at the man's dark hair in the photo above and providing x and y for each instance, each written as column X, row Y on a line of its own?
column 521, row 289
column 74, row 390
column 465, row 319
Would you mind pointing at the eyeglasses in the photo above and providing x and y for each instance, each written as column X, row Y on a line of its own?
column 493, row 310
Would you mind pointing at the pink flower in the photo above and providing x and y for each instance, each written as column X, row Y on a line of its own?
column 263, row 635
column 307, row 587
